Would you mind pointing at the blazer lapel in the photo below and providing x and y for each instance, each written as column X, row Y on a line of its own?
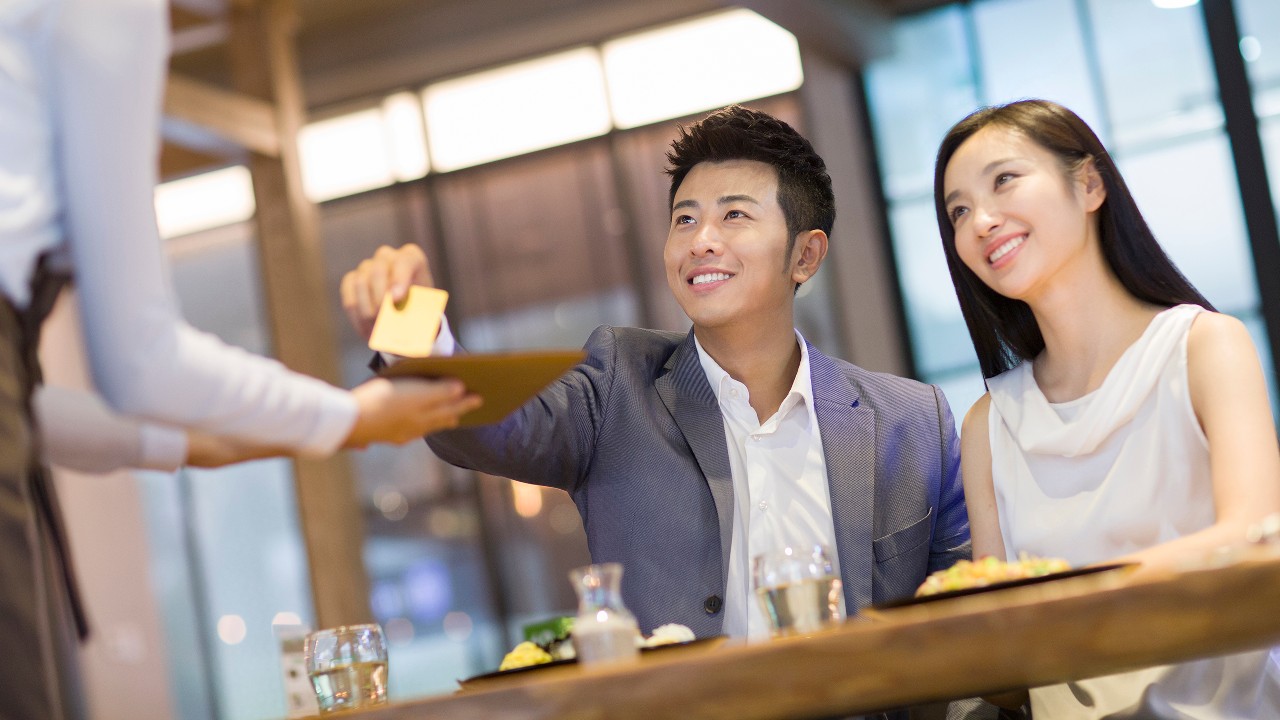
column 688, row 396
column 848, row 444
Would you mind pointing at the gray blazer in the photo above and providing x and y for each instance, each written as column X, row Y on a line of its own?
column 635, row 435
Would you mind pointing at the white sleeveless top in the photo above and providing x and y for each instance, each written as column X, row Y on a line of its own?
column 1121, row 469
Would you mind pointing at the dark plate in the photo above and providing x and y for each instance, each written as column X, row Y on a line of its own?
column 1091, row 570
column 560, row 663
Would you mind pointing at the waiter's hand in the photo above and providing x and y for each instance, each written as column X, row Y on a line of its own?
column 402, row 409
column 390, row 270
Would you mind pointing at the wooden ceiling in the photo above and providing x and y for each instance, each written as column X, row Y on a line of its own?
column 349, row 51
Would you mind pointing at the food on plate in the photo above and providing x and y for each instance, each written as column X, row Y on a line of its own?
column 669, row 634
column 524, row 655
column 989, row 570
column 554, row 636
column 553, row 640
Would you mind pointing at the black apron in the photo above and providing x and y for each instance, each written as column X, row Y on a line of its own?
column 41, row 616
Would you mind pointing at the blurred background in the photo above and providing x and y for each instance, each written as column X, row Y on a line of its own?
column 521, row 145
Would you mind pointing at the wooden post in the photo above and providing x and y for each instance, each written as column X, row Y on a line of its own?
column 264, row 66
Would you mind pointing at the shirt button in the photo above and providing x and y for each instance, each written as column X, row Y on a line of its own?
column 763, row 505
column 733, row 392
column 712, row 604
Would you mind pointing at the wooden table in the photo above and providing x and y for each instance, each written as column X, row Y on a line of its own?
column 963, row 647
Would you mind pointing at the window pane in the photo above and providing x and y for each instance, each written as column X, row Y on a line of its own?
column 938, row 333
column 1033, row 48
column 1260, row 45
column 227, row 542
column 915, row 94
column 1157, row 75
column 1188, row 194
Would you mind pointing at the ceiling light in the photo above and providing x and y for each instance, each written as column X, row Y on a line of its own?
column 516, row 109
column 699, row 65
column 204, row 201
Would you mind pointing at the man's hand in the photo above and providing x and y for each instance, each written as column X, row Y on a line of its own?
column 400, row 410
column 390, row 270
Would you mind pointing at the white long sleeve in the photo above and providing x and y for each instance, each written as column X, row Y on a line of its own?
column 80, row 433
column 105, row 76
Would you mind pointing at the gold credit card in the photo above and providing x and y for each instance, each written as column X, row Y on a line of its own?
column 409, row 329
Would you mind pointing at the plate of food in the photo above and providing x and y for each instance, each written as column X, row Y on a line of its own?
column 556, row 650
column 991, row 574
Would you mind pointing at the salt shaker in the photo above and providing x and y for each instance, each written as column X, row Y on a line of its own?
column 604, row 630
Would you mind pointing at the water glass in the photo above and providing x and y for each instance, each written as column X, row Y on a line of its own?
column 798, row 589
column 348, row 667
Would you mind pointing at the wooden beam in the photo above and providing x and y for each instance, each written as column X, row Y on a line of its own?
column 264, row 65
column 243, row 119
column 178, row 160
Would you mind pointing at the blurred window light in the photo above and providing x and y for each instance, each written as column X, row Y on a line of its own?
column 286, row 617
column 516, row 109
column 345, row 155
column 200, row 202
column 1250, row 48
column 699, row 65
column 458, row 626
column 1174, row 4
column 527, row 499
column 232, row 629
column 406, row 136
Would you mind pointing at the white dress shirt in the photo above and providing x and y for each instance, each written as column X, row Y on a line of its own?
column 81, row 83
column 780, row 492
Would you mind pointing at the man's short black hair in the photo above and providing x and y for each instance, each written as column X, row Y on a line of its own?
column 738, row 133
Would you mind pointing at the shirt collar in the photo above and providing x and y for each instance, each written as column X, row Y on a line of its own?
column 801, row 385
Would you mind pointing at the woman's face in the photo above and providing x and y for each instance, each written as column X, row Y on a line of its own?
column 1020, row 222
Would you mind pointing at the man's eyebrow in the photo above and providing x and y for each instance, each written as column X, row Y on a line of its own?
column 725, row 200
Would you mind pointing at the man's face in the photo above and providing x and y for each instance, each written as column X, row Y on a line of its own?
column 726, row 255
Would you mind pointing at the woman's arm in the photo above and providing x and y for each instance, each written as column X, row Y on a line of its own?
column 979, row 489
column 980, row 498
column 79, row 432
column 107, row 63
column 1229, row 396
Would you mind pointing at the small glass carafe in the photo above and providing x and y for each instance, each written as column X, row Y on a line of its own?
column 604, row 630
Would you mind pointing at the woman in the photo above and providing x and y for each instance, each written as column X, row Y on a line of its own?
column 81, row 84
column 1124, row 418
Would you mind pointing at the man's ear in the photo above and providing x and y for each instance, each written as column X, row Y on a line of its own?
column 807, row 255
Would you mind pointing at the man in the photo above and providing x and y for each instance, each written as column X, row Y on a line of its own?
column 689, row 454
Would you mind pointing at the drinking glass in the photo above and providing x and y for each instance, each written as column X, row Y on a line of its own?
column 604, row 630
column 348, row 667
column 798, row 589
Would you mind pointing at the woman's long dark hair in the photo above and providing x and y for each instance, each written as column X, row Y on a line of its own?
column 1003, row 330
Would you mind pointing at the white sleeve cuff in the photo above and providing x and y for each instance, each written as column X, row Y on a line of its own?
column 337, row 417
column 445, row 344
column 161, row 447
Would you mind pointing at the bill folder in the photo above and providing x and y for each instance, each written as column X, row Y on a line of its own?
column 505, row 380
